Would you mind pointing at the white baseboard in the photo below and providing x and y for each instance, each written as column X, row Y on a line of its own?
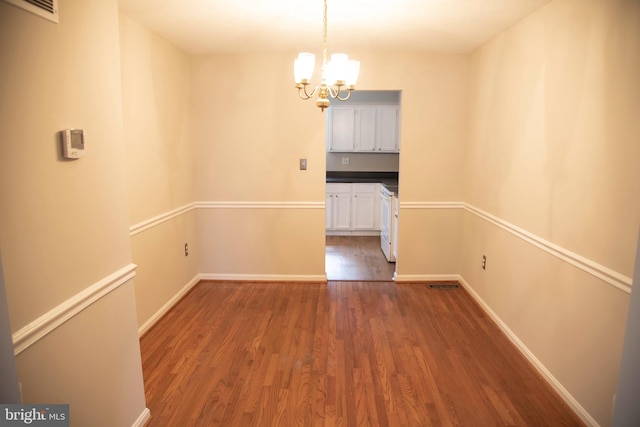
column 548, row 376
column 426, row 278
column 167, row 306
column 142, row 419
column 264, row 277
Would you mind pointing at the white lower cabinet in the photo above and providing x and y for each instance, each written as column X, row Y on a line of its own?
column 353, row 208
column 338, row 207
column 363, row 207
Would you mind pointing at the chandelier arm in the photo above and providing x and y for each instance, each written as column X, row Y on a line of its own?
column 303, row 94
column 313, row 93
column 349, row 90
column 335, row 91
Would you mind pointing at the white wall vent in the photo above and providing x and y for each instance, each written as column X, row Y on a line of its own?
column 47, row 9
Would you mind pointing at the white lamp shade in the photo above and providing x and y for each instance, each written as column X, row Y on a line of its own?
column 303, row 66
column 353, row 71
column 328, row 74
column 338, row 65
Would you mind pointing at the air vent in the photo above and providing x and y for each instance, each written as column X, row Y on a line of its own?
column 47, row 9
column 443, row 286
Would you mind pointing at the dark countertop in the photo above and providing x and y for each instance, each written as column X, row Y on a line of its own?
column 388, row 179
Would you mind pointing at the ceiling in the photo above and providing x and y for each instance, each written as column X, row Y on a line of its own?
column 217, row 26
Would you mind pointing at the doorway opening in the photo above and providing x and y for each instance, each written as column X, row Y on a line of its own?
column 362, row 169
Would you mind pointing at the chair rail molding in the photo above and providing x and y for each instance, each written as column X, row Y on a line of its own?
column 34, row 331
column 607, row 275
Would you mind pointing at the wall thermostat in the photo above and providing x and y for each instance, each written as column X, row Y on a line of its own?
column 72, row 143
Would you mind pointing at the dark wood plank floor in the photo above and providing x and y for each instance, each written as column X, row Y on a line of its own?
column 357, row 258
column 342, row 353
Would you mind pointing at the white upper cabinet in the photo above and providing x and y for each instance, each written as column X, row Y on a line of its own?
column 365, row 135
column 341, row 129
column 387, row 129
column 364, row 128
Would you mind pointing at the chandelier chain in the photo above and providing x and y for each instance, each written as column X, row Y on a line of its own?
column 324, row 36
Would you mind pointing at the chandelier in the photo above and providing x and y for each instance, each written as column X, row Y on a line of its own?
column 338, row 75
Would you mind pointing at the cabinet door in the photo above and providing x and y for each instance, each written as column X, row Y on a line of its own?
column 341, row 129
column 338, row 206
column 365, row 135
column 363, row 207
column 342, row 211
column 387, row 129
column 328, row 209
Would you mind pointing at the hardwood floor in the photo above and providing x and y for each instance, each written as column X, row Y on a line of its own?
column 356, row 258
column 342, row 353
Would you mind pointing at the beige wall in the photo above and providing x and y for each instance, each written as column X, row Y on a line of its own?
column 432, row 142
column 155, row 99
column 64, row 224
column 537, row 129
column 553, row 151
column 92, row 363
column 556, row 99
column 160, row 166
column 250, row 129
column 61, row 220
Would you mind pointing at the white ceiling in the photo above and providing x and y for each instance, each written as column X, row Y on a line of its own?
column 219, row 26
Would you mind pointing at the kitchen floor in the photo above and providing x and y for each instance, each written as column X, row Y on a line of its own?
column 357, row 258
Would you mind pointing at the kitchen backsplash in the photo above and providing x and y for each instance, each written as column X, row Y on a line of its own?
column 374, row 162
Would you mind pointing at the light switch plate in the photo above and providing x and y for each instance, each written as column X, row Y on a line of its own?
column 303, row 164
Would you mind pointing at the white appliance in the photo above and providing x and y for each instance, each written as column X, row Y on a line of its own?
column 387, row 220
column 394, row 244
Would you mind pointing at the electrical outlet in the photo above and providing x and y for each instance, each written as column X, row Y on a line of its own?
column 303, row 164
column 186, row 249
column 484, row 262
column 345, row 160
